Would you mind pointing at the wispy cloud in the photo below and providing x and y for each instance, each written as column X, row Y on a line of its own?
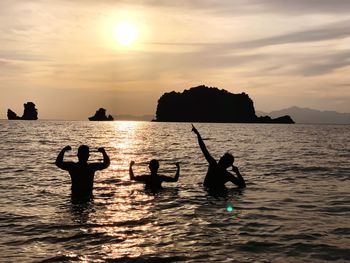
column 332, row 31
column 243, row 7
column 337, row 30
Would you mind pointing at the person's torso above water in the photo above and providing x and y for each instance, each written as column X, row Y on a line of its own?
column 216, row 176
column 82, row 176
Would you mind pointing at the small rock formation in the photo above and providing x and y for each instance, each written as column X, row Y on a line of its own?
column 30, row 113
column 207, row 104
column 100, row 115
column 11, row 115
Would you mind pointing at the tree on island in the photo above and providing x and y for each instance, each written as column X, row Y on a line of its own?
column 29, row 113
column 208, row 104
column 100, row 115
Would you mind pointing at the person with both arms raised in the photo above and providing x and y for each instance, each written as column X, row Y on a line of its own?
column 217, row 174
column 153, row 181
column 82, row 173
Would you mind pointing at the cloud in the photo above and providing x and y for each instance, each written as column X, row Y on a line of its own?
column 332, row 31
column 323, row 64
column 318, row 62
column 289, row 59
column 304, row 7
column 219, row 7
column 244, row 7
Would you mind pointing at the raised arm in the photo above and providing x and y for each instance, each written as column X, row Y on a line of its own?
column 131, row 172
column 239, row 181
column 106, row 161
column 59, row 160
column 141, row 178
column 172, row 179
column 204, row 149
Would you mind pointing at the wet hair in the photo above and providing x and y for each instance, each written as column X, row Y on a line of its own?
column 83, row 152
column 153, row 164
column 227, row 159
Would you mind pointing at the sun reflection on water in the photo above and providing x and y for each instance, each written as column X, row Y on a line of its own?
column 125, row 218
column 127, row 209
column 124, row 143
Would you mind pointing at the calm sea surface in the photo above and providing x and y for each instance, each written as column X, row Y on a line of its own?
column 296, row 207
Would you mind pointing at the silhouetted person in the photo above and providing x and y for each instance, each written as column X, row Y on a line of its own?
column 153, row 181
column 82, row 173
column 217, row 174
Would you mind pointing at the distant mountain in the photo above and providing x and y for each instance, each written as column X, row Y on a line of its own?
column 128, row 117
column 261, row 113
column 306, row 115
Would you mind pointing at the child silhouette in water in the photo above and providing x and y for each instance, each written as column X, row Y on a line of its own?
column 217, row 175
column 82, row 173
column 153, row 181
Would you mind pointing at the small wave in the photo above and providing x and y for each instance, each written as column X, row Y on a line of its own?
column 79, row 238
column 62, row 258
column 148, row 259
column 12, row 217
column 341, row 231
column 340, row 210
column 308, row 236
column 255, row 247
column 318, row 251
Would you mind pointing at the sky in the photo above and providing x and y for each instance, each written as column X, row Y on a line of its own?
column 63, row 55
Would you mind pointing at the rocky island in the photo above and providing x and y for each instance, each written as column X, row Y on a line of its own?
column 29, row 113
column 208, row 104
column 100, row 115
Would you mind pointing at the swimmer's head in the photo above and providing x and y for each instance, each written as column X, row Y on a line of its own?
column 226, row 160
column 153, row 166
column 83, row 153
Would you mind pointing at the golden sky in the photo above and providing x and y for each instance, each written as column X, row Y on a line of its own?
column 64, row 55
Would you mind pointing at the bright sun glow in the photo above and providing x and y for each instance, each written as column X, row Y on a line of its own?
column 126, row 33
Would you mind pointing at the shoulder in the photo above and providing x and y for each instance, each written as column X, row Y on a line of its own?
column 143, row 177
column 163, row 177
column 213, row 164
column 97, row 166
column 212, row 161
column 67, row 165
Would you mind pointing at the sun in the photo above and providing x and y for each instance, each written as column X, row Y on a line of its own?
column 126, row 33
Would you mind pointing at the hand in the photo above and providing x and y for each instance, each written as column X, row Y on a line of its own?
column 101, row 149
column 235, row 169
column 194, row 130
column 132, row 163
column 67, row 148
column 177, row 165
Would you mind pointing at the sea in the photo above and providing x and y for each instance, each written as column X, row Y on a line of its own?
column 295, row 208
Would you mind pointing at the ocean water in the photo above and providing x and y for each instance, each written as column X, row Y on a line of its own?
column 296, row 207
